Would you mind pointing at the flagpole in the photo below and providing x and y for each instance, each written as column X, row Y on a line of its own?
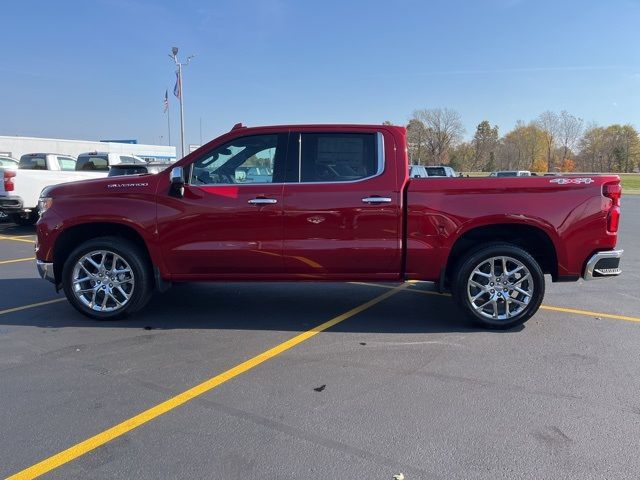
column 181, row 110
column 180, row 91
column 169, row 123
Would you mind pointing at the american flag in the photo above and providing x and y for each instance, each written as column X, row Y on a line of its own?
column 165, row 104
column 177, row 90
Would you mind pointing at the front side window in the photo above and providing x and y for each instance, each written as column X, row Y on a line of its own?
column 244, row 160
column 337, row 157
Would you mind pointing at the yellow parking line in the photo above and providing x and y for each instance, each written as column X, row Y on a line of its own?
column 552, row 308
column 17, row 239
column 590, row 314
column 96, row 441
column 2, row 262
column 31, row 305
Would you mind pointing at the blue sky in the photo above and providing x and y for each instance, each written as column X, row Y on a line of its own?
column 98, row 69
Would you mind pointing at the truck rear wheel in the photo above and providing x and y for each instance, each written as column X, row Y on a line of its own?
column 24, row 219
column 498, row 285
column 107, row 278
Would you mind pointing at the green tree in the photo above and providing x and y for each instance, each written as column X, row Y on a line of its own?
column 485, row 142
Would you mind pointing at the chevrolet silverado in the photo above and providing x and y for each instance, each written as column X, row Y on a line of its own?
column 332, row 203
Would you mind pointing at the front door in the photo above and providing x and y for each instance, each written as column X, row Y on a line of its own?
column 342, row 206
column 229, row 221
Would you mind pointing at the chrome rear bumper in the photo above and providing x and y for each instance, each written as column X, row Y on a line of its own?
column 603, row 264
column 45, row 269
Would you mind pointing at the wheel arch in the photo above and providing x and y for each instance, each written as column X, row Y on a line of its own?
column 530, row 238
column 73, row 236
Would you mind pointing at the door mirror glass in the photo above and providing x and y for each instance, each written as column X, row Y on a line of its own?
column 177, row 181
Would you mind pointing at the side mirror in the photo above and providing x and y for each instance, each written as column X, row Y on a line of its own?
column 176, row 177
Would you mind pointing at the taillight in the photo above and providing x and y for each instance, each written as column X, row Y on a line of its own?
column 614, row 192
column 8, row 180
column 613, row 219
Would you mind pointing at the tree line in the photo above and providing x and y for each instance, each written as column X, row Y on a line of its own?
column 553, row 142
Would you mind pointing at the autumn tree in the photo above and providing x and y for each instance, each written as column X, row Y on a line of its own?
column 569, row 132
column 461, row 157
column 549, row 123
column 416, row 142
column 523, row 148
column 615, row 148
column 444, row 130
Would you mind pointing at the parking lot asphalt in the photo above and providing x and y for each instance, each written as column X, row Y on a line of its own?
column 400, row 384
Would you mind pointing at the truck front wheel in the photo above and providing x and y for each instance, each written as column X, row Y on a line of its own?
column 498, row 285
column 107, row 278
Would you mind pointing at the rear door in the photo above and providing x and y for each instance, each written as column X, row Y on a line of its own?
column 229, row 223
column 342, row 205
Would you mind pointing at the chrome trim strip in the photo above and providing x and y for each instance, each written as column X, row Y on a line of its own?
column 299, row 159
column 45, row 270
column 380, row 142
column 595, row 258
column 262, row 201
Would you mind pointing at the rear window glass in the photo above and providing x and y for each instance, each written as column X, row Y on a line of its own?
column 28, row 162
column 436, row 172
column 93, row 163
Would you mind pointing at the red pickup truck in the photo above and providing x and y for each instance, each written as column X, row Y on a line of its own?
column 325, row 203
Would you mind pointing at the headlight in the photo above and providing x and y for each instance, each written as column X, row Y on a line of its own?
column 44, row 203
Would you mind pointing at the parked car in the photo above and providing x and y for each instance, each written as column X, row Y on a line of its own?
column 338, row 205
column 47, row 161
column 511, row 173
column 136, row 169
column 8, row 162
column 420, row 171
column 101, row 161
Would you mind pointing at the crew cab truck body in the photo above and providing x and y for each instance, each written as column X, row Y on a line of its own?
column 339, row 206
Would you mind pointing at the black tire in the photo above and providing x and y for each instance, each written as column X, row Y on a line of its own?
column 503, row 299
column 137, row 260
column 24, row 220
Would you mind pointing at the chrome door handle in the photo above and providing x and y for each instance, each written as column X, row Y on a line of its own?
column 376, row 200
column 263, row 201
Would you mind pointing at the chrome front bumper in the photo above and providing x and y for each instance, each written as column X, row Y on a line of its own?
column 45, row 269
column 603, row 264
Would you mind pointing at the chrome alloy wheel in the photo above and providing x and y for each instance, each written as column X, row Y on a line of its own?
column 103, row 281
column 500, row 288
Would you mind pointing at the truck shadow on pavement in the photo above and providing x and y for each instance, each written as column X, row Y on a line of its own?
column 251, row 306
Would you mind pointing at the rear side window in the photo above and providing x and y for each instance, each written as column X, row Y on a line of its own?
column 98, row 163
column 30, row 162
column 337, row 157
column 66, row 163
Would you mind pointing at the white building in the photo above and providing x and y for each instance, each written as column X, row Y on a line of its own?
column 15, row 146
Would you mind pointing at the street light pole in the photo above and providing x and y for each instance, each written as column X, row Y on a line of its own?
column 174, row 56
